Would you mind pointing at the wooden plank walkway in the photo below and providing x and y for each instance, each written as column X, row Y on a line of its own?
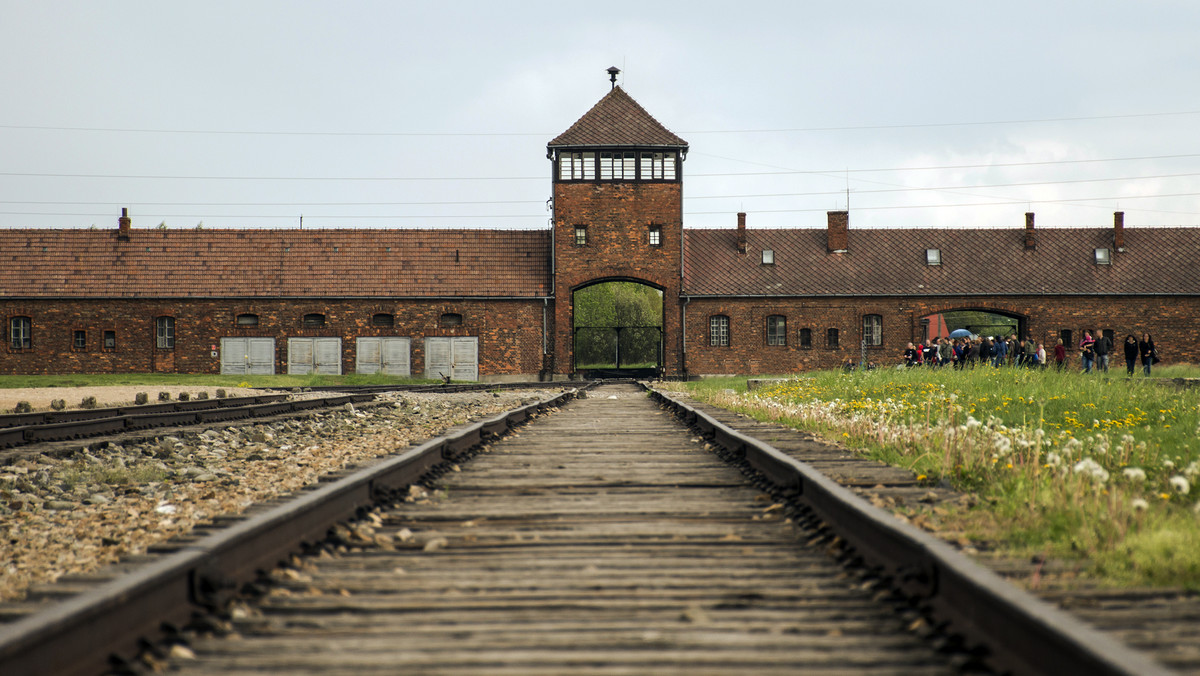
column 602, row 539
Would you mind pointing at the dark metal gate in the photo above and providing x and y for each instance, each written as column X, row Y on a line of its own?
column 618, row 351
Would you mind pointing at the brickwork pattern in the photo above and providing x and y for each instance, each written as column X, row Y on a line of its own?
column 509, row 332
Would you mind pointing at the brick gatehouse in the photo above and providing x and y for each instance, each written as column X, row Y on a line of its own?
column 497, row 304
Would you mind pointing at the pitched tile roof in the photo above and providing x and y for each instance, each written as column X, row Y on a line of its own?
column 617, row 120
column 892, row 262
column 274, row 263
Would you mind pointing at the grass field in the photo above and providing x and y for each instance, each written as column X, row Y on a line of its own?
column 201, row 380
column 1104, row 469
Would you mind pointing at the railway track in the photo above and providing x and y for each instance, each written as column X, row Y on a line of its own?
column 22, row 429
column 604, row 539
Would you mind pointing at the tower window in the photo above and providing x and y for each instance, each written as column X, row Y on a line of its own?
column 576, row 166
column 657, row 167
column 617, row 166
column 656, row 235
column 581, row 235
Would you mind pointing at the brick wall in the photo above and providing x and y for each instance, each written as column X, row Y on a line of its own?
column 1174, row 325
column 509, row 332
column 618, row 217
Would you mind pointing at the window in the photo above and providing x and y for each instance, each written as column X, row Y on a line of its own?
column 656, row 235
column 657, row 167
column 581, row 235
column 164, row 333
column 383, row 319
column 718, row 331
column 933, row 257
column 110, row 340
column 776, row 330
column 451, row 319
column 79, row 340
column 576, row 166
column 831, row 339
column 314, row 319
column 873, row 330
column 247, row 319
column 20, row 333
column 617, row 166
column 1103, row 257
column 1067, row 339
column 806, row 339
column 768, row 257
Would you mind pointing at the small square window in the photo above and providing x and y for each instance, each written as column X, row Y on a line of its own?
column 1103, row 257
column 79, row 340
column 933, row 257
column 768, row 257
column 580, row 235
column 656, row 235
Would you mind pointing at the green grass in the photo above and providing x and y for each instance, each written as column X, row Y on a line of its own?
column 1099, row 468
column 202, row 380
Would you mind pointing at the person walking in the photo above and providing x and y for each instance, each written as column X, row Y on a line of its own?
column 1102, row 347
column 1060, row 355
column 1031, row 348
column 1147, row 352
column 1087, row 351
column 1001, row 351
column 1131, row 354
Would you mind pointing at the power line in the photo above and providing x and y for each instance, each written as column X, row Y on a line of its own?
column 920, row 125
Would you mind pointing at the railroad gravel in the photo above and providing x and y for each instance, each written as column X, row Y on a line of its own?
column 75, row 514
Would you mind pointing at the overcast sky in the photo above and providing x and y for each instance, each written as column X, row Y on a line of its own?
column 412, row 114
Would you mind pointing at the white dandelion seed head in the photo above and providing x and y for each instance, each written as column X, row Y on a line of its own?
column 1053, row 459
column 1140, row 505
column 1091, row 468
column 972, row 423
column 1126, row 439
column 1180, row 484
column 1192, row 469
column 1135, row 473
column 1039, row 433
column 1168, row 463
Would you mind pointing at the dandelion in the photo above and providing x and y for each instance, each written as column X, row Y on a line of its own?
column 972, row 423
column 1092, row 468
column 1135, row 473
column 1168, row 463
column 1192, row 470
column 1180, row 484
column 1140, row 505
column 1053, row 459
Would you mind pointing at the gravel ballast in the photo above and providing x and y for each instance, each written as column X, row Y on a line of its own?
column 75, row 514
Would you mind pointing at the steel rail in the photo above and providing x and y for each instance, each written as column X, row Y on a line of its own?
column 88, row 633
column 1022, row 633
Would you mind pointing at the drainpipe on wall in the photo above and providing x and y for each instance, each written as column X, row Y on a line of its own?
column 683, row 336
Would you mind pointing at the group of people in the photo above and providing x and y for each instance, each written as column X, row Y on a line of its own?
column 966, row 352
column 1095, row 352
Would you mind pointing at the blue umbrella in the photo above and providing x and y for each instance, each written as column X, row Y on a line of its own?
column 960, row 333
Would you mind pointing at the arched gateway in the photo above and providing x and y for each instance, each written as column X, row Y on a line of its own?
column 618, row 215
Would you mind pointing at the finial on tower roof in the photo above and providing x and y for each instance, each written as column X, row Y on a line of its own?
column 612, row 75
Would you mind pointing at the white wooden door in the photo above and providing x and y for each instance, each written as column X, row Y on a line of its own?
column 248, row 356
column 315, row 355
column 455, row 357
column 382, row 355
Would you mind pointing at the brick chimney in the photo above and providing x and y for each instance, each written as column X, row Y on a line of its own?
column 741, row 232
column 124, row 224
column 838, row 236
column 1119, row 230
column 1030, row 242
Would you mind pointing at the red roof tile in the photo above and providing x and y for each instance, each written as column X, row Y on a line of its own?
column 274, row 263
column 617, row 120
column 892, row 262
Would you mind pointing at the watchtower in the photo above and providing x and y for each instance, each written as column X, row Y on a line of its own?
column 618, row 213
